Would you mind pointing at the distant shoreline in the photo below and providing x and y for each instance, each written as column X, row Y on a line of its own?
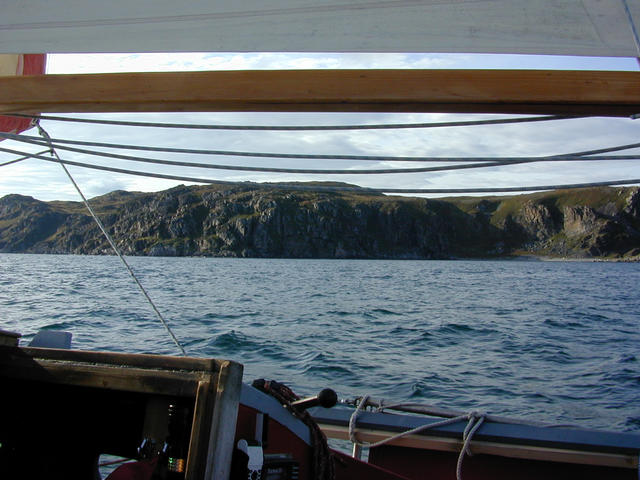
column 596, row 224
column 546, row 258
column 509, row 258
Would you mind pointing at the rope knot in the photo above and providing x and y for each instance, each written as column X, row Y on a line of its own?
column 36, row 123
column 352, row 421
column 475, row 420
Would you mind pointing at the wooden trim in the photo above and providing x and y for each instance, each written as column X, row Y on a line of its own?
column 9, row 339
column 473, row 91
column 223, row 421
column 200, row 431
column 162, row 362
column 154, row 374
column 492, row 448
column 107, row 377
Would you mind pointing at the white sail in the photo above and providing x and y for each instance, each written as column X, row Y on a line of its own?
column 561, row 27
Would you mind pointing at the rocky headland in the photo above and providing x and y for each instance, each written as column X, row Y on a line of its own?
column 252, row 221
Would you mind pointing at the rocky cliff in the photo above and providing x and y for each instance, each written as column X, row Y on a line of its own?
column 246, row 221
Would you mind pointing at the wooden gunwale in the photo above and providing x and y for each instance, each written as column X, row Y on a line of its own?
column 606, row 93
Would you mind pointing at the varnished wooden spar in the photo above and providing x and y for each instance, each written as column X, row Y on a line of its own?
column 456, row 91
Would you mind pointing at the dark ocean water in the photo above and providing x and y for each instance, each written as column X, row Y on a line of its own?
column 551, row 341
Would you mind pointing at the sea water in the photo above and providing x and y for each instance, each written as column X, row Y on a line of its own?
column 551, row 341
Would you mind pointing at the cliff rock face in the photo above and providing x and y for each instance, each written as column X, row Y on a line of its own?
column 597, row 222
column 246, row 221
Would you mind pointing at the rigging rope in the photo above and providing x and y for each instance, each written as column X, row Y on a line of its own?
column 566, row 157
column 111, row 242
column 293, row 186
column 25, row 157
column 431, row 410
column 388, row 126
column 494, row 162
column 243, row 168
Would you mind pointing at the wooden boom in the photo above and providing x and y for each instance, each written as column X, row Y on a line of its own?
column 601, row 93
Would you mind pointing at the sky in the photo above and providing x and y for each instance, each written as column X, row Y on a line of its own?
column 47, row 181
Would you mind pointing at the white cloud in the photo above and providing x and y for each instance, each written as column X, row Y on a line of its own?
column 149, row 62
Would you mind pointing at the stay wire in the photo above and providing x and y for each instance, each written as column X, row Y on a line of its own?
column 296, row 128
column 232, row 153
column 488, row 161
column 321, row 188
column 111, row 242
column 24, row 157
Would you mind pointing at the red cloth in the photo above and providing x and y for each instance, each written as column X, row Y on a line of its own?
column 32, row 64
